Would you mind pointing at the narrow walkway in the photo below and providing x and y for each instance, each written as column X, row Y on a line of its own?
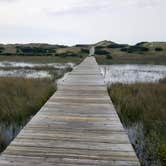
column 77, row 126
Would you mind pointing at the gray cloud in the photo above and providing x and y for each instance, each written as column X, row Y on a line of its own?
column 8, row 1
column 85, row 10
column 80, row 21
column 148, row 3
column 95, row 6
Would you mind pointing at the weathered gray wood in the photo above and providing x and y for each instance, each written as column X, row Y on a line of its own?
column 77, row 126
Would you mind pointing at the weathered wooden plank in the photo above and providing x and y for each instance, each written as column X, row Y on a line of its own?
column 77, row 126
column 32, row 161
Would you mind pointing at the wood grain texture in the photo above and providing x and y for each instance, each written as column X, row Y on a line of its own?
column 77, row 126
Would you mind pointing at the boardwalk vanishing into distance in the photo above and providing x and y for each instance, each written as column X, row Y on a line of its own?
column 77, row 126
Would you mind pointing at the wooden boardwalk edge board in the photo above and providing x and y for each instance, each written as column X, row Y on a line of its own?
column 78, row 125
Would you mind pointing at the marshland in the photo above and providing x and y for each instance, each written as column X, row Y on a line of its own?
column 136, row 84
column 26, row 83
column 53, row 112
column 141, row 108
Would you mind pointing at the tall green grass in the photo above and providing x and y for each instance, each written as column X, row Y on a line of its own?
column 145, row 104
column 21, row 98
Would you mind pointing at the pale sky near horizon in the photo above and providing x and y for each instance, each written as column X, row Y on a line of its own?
column 82, row 21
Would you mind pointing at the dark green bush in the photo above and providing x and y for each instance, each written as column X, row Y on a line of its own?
column 138, row 48
column 8, row 54
column 100, row 47
column 109, row 56
column 84, row 50
column 140, row 43
column 62, row 46
column 101, row 52
column 1, row 49
column 34, row 50
column 116, row 46
column 124, row 49
column 158, row 49
column 132, row 49
column 81, row 45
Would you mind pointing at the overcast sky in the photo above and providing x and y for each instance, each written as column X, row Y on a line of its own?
column 82, row 21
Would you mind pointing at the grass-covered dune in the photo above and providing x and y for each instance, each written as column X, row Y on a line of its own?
column 40, row 49
column 20, row 98
column 107, row 52
column 42, row 53
column 144, row 104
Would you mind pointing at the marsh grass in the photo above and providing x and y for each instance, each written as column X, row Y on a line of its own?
column 20, row 98
column 144, row 103
column 58, row 73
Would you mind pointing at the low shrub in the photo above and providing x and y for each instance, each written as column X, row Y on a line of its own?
column 101, row 52
column 158, row 49
column 132, row 49
column 100, row 47
column 34, row 50
column 84, row 50
column 116, row 46
column 81, row 45
column 163, row 80
column 109, row 56
column 7, row 54
column 140, row 43
column 124, row 49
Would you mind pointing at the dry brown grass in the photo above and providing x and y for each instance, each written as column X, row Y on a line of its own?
column 144, row 103
column 21, row 98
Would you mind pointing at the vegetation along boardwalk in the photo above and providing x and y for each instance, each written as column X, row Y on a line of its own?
column 77, row 126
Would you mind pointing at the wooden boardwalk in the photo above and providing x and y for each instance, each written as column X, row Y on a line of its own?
column 77, row 126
